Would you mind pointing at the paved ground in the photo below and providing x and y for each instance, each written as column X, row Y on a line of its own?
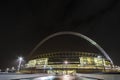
column 7, row 76
column 102, row 76
column 66, row 77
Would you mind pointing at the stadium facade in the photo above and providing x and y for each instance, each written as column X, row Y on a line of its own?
column 66, row 62
column 69, row 62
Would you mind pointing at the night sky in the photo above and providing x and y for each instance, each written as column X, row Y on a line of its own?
column 23, row 24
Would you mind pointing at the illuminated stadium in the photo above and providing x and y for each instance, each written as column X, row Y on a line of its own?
column 76, row 54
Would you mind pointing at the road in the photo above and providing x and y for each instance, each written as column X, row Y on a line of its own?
column 66, row 77
column 59, row 77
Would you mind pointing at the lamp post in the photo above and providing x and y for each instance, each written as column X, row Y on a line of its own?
column 66, row 62
column 44, row 68
column 20, row 59
column 100, row 57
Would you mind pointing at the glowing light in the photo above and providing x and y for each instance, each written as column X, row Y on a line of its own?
column 66, row 62
column 20, row 58
column 99, row 56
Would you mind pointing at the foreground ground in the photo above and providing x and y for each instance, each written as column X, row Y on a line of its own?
column 13, row 76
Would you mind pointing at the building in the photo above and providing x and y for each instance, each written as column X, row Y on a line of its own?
column 69, row 62
column 66, row 62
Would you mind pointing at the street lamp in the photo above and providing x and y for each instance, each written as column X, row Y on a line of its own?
column 44, row 68
column 66, row 62
column 20, row 59
column 103, row 63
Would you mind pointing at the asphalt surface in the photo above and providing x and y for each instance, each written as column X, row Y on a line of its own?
column 63, row 77
column 59, row 77
column 66, row 77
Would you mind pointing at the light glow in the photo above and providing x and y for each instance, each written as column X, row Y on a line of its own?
column 66, row 62
column 20, row 58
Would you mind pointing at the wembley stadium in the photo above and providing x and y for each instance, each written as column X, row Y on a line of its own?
column 54, row 54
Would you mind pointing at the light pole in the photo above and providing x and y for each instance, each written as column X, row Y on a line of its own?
column 51, row 70
column 101, row 58
column 66, row 62
column 20, row 59
column 44, row 68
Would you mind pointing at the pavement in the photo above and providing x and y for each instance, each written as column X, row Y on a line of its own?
column 12, row 76
column 16, row 76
